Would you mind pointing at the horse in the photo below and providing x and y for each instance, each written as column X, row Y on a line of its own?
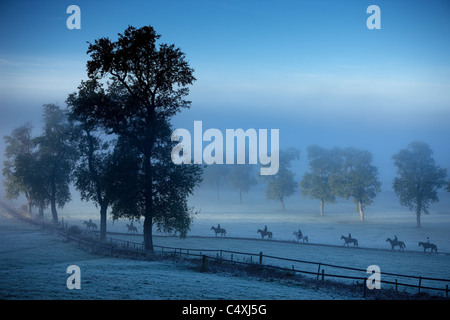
column 131, row 228
column 265, row 233
column 427, row 245
column 90, row 225
column 217, row 230
column 349, row 240
column 299, row 236
column 395, row 243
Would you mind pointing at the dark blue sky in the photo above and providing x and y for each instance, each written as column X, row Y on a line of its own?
column 309, row 68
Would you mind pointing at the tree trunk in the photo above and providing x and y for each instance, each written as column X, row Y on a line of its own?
column 148, row 234
column 148, row 200
column 282, row 203
column 361, row 211
column 321, row 207
column 418, row 212
column 103, row 210
column 53, row 202
column 240, row 195
column 41, row 211
column 29, row 204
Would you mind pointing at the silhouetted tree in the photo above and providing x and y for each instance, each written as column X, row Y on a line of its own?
column 93, row 173
column 31, row 170
column 282, row 185
column 172, row 184
column 149, row 85
column 18, row 144
column 57, row 155
column 324, row 164
column 357, row 179
column 418, row 179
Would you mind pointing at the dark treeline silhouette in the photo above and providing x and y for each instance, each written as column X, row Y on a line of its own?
column 114, row 139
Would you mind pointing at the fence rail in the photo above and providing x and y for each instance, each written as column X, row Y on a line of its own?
column 249, row 258
column 90, row 239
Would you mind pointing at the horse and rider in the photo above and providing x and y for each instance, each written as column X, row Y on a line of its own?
column 264, row 233
column 395, row 242
column 220, row 230
column 131, row 228
column 349, row 239
column 300, row 236
column 90, row 225
column 428, row 245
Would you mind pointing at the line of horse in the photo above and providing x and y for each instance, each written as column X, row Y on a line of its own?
column 348, row 240
column 93, row 226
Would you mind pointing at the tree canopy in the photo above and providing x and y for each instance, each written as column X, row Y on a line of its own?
column 19, row 144
column 282, row 185
column 324, row 164
column 418, row 178
column 357, row 178
column 149, row 83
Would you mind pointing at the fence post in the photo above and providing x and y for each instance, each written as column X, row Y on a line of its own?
column 420, row 282
column 318, row 272
column 323, row 274
column 365, row 285
column 204, row 268
column 260, row 257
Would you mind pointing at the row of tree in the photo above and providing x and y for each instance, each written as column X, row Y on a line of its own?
column 343, row 172
column 113, row 141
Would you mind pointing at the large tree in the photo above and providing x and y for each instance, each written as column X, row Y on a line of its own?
column 419, row 178
column 149, row 85
column 357, row 179
column 94, row 170
column 57, row 153
column 172, row 185
column 18, row 145
column 324, row 164
column 282, row 185
column 31, row 170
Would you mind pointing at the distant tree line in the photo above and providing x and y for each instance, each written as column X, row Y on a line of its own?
column 347, row 173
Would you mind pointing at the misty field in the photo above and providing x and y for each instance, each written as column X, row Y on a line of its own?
column 33, row 264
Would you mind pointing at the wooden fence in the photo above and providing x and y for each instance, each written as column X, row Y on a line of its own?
column 90, row 240
column 319, row 271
